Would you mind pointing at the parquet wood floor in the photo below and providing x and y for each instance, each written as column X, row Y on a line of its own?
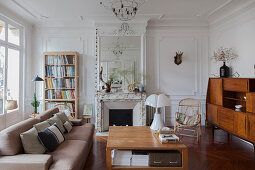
column 221, row 152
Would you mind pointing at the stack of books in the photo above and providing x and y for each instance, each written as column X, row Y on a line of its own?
column 59, row 71
column 139, row 158
column 166, row 135
column 121, row 157
column 60, row 94
column 58, row 60
column 60, row 83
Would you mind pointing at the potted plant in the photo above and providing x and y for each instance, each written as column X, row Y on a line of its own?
column 224, row 55
column 35, row 103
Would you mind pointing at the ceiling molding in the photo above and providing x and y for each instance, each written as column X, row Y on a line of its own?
column 218, row 8
column 233, row 13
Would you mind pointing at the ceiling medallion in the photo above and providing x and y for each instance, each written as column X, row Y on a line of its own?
column 124, row 30
column 125, row 10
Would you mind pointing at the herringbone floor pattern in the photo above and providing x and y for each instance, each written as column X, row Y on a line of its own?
column 221, row 152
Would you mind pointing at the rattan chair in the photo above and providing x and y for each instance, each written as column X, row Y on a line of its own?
column 63, row 107
column 190, row 109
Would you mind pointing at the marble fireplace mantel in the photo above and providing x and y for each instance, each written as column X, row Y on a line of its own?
column 102, row 97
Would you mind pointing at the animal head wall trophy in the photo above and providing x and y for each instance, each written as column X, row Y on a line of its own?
column 178, row 58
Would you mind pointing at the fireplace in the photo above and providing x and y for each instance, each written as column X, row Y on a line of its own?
column 120, row 117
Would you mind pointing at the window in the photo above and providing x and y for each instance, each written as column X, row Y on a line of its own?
column 10, row 59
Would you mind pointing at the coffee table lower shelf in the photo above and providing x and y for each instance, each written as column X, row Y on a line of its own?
column 145, row 167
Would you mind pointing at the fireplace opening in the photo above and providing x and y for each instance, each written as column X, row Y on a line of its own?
column 120, row 117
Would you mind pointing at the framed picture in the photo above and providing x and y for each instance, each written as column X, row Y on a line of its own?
column 87, row 110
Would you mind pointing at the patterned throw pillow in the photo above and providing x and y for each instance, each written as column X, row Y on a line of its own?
column 55, row 119
column 51, row 137
column 31, row 143
column 181, row 117
column 68, row 126
column 191, row 120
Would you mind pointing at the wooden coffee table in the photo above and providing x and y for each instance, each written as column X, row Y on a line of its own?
column 139, row 138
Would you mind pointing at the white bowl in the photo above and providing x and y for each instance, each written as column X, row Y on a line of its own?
column 238, row 106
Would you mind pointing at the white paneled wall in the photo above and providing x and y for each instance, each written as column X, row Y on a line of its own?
column 237, row 32
column 186, row 80
column 81, row 40
column 189, row 79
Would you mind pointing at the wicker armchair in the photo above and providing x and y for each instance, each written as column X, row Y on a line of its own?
column 188, row 118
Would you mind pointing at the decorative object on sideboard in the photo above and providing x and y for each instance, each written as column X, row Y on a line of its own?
column 224, row 55
column 124, row 10
column 107, row 84
column 157, row 101
column 35, row 103
column 178, row 58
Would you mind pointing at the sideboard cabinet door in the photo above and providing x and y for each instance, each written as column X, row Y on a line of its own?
column 212, row 113
column 251, row 127
column 240, row 123
column 226, row 119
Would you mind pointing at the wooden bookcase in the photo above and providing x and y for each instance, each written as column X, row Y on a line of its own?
column 222, row 96
column 61, row 80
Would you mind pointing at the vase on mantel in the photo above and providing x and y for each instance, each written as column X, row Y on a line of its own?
column 224, row 71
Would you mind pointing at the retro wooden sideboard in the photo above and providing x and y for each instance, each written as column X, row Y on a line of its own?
column 222, row 96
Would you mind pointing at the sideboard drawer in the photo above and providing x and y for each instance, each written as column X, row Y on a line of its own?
column 241, row 85
column 226, row 119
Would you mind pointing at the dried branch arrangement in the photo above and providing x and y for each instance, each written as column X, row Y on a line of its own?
column 224, row 54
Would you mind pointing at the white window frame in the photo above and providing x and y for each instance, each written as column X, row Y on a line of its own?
column 17, row 115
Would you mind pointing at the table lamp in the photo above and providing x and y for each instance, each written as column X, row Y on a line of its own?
column 157, row 101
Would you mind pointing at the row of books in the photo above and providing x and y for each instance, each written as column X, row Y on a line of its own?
column 60, row 94
column 59, row 71
column 50, row 105
column 60, row 59
column 60, row 83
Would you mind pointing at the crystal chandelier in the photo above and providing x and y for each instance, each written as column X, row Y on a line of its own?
column 123, row 9
column 124, row 30
column 118, row 49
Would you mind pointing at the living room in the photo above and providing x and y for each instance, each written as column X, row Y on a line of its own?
column 110, row 77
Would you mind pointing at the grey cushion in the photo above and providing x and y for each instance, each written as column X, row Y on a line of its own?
column 55, row 119
column 31, row 143
column 42, row 125
column 62, row 116
column 68, row 126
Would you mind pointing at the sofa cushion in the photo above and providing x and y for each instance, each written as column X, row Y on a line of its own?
column 68, row 126
column 47, row 114
column 70, row 155
column 10, row 142
column 42, row 125
column 62, row 116
column 55, row 119
column 31, row 143
column 84, row 133
column 26, row 162
column 51, row 137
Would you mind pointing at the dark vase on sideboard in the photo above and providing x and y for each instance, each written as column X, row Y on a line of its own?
column 224, row 70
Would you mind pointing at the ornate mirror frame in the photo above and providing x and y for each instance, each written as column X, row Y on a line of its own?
column 108, row 30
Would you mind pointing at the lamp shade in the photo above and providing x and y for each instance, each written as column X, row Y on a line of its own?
column 37, row 78
column 163, row 101
column 152, row 100
column 157, row 101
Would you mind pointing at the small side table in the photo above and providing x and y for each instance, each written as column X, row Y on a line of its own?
column 87, row 118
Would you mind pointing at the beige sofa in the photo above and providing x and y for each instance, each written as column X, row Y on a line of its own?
column 70, row 155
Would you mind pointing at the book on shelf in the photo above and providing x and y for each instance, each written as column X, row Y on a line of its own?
column 59, row 59
column 50, row 105
column 55, row 83
column 59, row 71
column 60, row 94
